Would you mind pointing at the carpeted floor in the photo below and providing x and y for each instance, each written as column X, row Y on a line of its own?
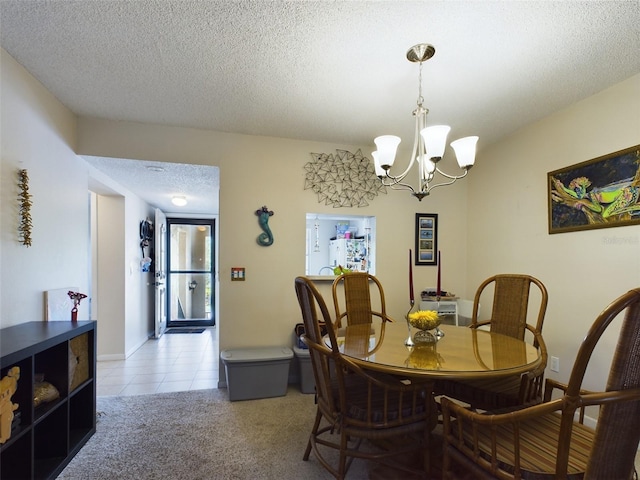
column 201, row 435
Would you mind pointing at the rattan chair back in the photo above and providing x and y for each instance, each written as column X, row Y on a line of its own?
column 511, row 294
column 352, row 299
column 328, row 381
column 354, row 404
column 549, row 440
column 510, row 309
column 618, row 431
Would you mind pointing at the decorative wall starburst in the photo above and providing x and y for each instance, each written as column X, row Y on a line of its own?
column 342, row 180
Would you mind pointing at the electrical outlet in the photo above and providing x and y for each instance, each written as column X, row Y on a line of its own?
column 555, row 364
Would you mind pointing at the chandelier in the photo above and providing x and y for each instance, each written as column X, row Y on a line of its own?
column 428, row 145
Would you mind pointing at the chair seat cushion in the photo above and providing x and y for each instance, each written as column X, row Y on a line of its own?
column 358, row 407
column 486, row 394
column 538, row 446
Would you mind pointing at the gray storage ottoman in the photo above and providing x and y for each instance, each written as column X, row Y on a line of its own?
column 257, row 372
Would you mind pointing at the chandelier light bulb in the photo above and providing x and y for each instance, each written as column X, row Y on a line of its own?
column 435, row 140
column 465, row 149
column 387, row 148
column 429, row 167
column 376, row 164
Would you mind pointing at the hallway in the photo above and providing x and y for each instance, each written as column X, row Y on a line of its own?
column 174, row 362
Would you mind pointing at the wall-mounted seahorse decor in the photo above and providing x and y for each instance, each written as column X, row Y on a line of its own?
column 266, row 238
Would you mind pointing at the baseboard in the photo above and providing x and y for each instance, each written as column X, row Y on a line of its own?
column 588, row 421
column 110, row 357
column 119, row 356
column 136, row 347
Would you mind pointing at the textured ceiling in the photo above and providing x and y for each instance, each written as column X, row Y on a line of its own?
column 158, row 182
column 331, row 71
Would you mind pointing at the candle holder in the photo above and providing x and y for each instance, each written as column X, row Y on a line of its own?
column 438, row 333
column 409, row 341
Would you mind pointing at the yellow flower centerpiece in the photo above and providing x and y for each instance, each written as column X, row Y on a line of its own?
column 424, row 319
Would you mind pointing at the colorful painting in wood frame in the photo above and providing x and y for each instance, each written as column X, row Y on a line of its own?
column 426, row 239
column 599, row 193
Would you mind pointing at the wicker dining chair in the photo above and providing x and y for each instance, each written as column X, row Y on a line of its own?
column 352, row 299
column 549, row 440
column 353, row 405
column 511, row 302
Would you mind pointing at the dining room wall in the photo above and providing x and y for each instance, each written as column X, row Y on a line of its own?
column 39, row 133
column 257, row 171
column 508, row 222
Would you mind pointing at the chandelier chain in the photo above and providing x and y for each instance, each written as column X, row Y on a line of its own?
column 420, row 97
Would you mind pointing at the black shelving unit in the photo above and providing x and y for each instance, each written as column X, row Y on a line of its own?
column 49, row 435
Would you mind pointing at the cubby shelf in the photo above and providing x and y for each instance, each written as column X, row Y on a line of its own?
column 50, row 434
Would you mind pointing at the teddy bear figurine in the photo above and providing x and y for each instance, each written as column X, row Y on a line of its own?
column 8, row 386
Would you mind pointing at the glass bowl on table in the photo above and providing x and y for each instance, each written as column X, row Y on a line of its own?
column 427, row 323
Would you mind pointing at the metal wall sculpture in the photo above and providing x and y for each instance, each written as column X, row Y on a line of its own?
column 342, row 180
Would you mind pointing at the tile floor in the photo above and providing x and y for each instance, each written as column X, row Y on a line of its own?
column 174, row 362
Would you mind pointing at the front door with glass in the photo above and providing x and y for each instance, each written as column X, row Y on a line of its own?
column 190, row 282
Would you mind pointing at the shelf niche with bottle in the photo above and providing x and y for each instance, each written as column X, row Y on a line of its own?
column 55, row 394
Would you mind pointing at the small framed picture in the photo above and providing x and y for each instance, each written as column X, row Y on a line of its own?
column 426, row 239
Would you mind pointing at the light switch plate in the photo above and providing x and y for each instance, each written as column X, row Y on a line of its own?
column 237, row 274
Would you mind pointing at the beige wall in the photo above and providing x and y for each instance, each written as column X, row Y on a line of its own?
column 508, row 227
column 110, row 264
column 256, row 171
column 122, row 294
column 39, row 134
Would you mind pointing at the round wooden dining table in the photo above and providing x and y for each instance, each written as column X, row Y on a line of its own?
column 462, row 353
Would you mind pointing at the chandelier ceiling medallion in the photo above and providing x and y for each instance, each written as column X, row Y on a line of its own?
column 428, row 145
